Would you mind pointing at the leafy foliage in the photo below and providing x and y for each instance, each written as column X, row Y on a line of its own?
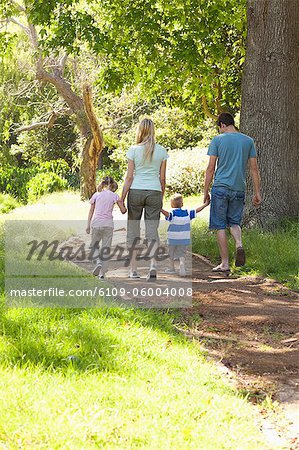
column 44, row 183
column 59, row 142
column 7, row 203
column 186, row 169
column 13, row 181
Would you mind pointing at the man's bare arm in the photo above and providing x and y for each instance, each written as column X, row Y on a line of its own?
column 164, row 212
column 209, row 177
column 255, row 175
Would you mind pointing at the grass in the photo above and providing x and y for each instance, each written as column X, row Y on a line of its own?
column 111, row 378
column 270, row 254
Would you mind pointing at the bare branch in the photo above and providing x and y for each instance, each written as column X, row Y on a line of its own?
column 33, row 35
column 21, row 25
column 49, row 124
column 127, row 116
column 62, row 63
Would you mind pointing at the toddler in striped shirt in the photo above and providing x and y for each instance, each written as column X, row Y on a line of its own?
column 179, row 231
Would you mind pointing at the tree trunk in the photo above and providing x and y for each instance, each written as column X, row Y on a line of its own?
column 88, row 168
column 270, row 106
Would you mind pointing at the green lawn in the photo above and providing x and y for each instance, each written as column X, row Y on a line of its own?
column 111, row 378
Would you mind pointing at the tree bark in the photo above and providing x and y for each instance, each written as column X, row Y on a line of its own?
column 270, row 106
column 91, row 149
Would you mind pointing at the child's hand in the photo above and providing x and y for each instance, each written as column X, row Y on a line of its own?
column 88, row 230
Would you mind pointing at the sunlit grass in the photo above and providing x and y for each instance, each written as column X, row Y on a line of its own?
column 270, row 254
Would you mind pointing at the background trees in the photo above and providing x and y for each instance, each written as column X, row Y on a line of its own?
column 177, row 54
column 183, row 57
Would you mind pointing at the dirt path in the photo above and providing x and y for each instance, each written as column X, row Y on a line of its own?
column 251, row 325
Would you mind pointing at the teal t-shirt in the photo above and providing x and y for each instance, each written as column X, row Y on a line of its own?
column 233, row 151
column 147, row 173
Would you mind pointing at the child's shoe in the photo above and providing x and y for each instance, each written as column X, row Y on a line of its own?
column 134, row 275
column 170, row 270
column 182, row 267
column 97, row 269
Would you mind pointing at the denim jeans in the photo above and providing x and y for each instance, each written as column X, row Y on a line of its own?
column 226, row 207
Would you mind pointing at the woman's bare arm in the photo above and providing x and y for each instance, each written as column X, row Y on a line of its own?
column 163, row 176
column 128, row 180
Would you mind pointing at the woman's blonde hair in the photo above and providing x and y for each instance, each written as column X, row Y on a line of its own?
column 146, row 136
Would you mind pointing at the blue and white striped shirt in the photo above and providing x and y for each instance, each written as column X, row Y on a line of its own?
column 179, row 228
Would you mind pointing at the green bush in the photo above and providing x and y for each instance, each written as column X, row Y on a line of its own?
column 13, row 181
column 185, row 171
column 58, row 166
column 44, row 183
column 61, row 168
column 7, row 203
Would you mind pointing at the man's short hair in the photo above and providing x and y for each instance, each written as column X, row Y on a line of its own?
column 226, row 118
column 176, row 200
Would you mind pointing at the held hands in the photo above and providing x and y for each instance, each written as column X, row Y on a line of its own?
column 122, row 207
column 206, row 199
column 88, row 229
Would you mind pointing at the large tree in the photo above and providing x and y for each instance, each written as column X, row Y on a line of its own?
column 51, row 68
column 270, row 105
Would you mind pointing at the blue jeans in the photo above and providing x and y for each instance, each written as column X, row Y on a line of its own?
column 226, row 207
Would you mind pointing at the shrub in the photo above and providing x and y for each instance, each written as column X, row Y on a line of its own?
column 7, row 203
column 61, row 168
column 44, row 183
column 185, row 171
column 58, row 166
column 13, row 181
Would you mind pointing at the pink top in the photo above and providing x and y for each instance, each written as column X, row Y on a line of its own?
column 104, row 203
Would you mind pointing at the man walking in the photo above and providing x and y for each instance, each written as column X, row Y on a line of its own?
column 231, row 150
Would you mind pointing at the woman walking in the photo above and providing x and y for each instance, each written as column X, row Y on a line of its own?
column 145, row 185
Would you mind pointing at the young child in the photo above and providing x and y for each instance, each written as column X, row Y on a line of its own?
column 179, row 231
column 100, row 219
